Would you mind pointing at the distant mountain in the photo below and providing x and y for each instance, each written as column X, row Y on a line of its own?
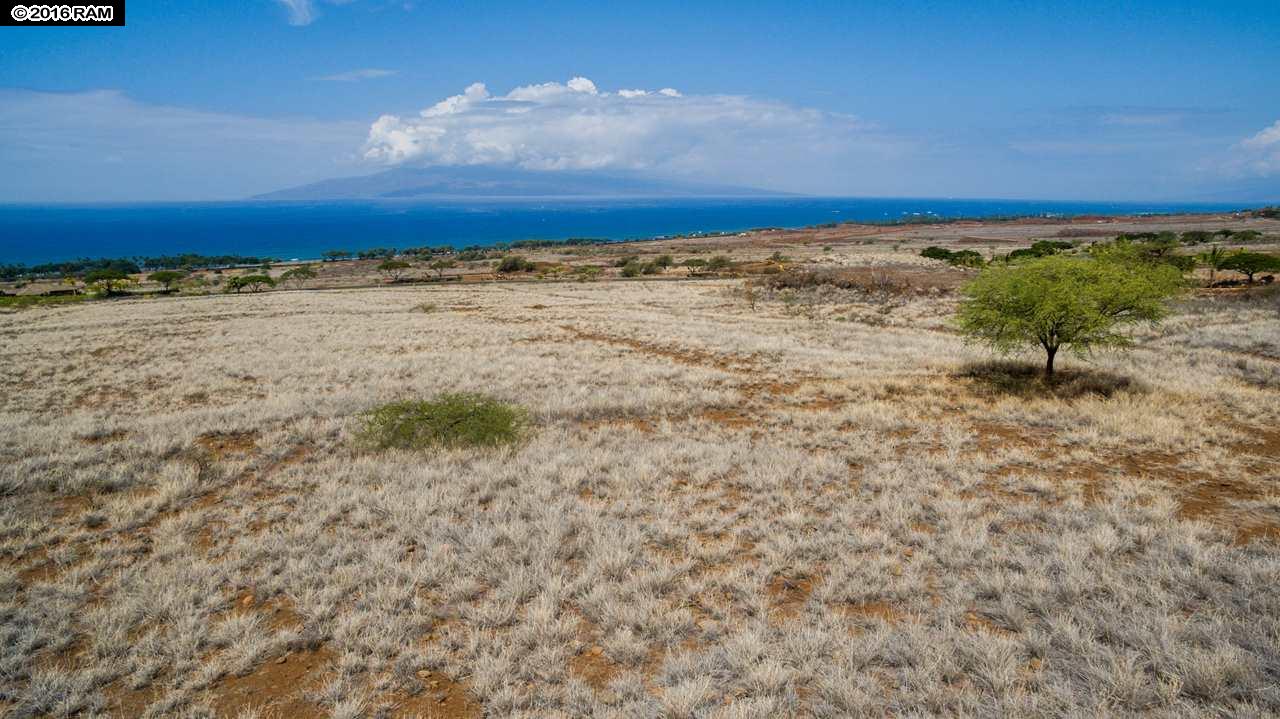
column 476, row 182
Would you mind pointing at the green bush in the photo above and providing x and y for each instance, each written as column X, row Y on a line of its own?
column 514, row 263
column 963, row 258
column 450, row 420
column 1040, row 248
column 632, row 269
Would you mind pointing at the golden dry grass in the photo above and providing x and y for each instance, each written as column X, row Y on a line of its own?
column 827, row 511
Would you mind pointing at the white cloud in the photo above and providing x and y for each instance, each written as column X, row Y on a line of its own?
column 577, row 126
column 368, row 73
column 305, row 12
column 1259, row 154
column 301, row 12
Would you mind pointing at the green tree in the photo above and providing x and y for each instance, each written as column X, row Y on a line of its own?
column 299, row 275
column 1064, row 301
column 1251, row 263
column 108, row 282
column 168, row 278
column 393, row 269
column 334, row 255
column 253, row 283
column 441, row 265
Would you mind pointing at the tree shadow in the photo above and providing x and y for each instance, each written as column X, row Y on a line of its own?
column 1025, row 379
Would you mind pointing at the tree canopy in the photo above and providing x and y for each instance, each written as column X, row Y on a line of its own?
column 108, row 281
column 1064, row 301
column 1251, row 263
column 168, row 278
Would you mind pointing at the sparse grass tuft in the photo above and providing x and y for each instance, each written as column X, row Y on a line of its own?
column 450, row 420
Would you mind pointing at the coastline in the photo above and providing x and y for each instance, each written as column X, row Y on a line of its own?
column 303, row 231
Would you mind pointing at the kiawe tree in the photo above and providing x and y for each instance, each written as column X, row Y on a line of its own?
column 441, row 265
column 1251, row 263
column 299, row 275
column 168, row 278
column 393, row 269
column 1065, row 301
column 109, row 281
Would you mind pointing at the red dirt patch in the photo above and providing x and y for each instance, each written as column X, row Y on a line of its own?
column 125, row 702
column 593, row 667
column 441, row 697
column 788, row 595
column 221, row 444
column 731, row 418
column 277, row 687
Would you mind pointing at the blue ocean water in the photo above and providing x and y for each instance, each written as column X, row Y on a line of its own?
column 32, row 234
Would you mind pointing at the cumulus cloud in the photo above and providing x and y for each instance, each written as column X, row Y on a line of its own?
column 578, row 126
column 1258, row 154
column 368, row 73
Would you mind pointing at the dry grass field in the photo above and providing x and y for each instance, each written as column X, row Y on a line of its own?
column 825, row 504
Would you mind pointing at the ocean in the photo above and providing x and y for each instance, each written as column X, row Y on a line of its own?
column 33, row 234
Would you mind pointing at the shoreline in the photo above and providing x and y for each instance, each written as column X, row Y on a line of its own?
column 923, row 222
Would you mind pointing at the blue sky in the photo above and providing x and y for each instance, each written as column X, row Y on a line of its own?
column 218, row 100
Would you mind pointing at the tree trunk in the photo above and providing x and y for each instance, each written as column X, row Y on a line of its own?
column 1048, row 365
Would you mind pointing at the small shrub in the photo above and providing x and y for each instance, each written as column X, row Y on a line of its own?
column 587, row 273
column 426, row 307
column 450, row 420
column 632, row 269
column 962, row 258
column 514, row 263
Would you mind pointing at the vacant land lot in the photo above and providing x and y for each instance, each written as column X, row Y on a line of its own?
column 819, row 503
